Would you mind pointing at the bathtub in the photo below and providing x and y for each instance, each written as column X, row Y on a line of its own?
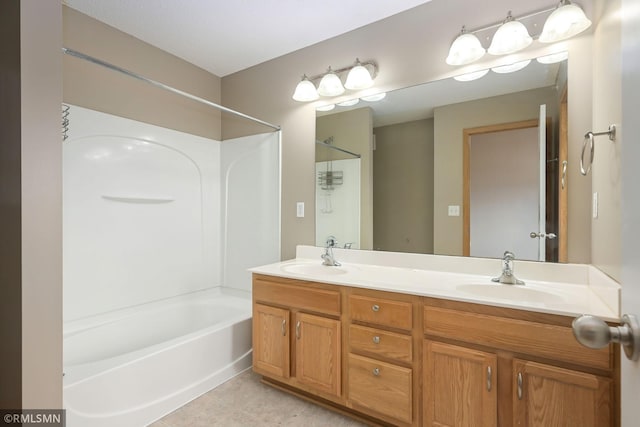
column 131, row 367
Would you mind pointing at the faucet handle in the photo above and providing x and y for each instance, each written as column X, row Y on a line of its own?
column 508, row 255
column 332, row 242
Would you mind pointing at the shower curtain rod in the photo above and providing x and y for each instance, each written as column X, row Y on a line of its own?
column 333, row 147
column 102, row 63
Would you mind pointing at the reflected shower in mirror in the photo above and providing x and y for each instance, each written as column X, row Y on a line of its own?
column 434, row 178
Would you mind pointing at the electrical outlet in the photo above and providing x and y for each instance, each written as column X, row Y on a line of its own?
column 454, row 210
column 300, row 209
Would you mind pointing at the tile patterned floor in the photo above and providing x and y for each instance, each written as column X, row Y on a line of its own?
column 245, row 402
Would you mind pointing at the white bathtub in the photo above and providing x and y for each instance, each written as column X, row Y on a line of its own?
column 132, row 367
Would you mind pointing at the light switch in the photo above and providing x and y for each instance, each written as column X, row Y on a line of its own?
column 300, row 209
column 454, row 210
column 594, row 205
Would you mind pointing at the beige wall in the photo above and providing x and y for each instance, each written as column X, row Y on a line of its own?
column 91, row 86
column 352, row 130
column 410, row 48
column 41, row 163
column 403, row 187
column 450, row 122
column 607, row 109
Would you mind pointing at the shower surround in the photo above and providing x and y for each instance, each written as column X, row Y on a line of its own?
column 159, row 229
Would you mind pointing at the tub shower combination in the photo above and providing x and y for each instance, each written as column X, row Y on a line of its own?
column 159, row 229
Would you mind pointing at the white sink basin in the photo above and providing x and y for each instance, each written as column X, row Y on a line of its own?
column 510, row 292
column 314, row 269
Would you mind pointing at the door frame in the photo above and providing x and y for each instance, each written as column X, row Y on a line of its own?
column 466, row 170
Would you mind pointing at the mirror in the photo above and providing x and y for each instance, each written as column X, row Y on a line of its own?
column 434, row 174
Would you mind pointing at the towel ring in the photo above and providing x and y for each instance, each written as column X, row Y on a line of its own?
column 589, row 139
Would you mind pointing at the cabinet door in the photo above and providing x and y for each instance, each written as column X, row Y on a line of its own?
column 318, row 353
column 271, row 347
column 549, row 396
column 459, row 386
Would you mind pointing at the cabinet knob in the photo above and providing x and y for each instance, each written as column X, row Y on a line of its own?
column 376, row 372
column 376, row 340
column 375, row 307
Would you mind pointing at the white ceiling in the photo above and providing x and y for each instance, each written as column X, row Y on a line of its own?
column 225, row 36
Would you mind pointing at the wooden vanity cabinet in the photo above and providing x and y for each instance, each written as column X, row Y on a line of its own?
column 403, row 360
column 297, row 338
column 486, row 366
column 460, row 386
column 382, row 372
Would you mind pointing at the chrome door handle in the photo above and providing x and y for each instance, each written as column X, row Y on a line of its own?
column 376, row 372
column 376, row 340
column 563, row 180
column 298, row 329
column 488, row 378
column 375, row 307
column 284, row 328
column 549, row 236
column 593, row 332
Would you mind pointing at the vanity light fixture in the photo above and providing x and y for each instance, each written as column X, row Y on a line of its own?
column 511, row 37
column 326, row 107
column 465, row 49
column 511, row 68
column 374, row 98
column 348, row 103
column 553, row 58
column 359, row 76
column 564, row 22
column 330, row 85
column 474, row 75
column 305, row 91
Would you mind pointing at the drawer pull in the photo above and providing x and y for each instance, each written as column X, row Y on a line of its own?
column 375, row 307
column 519, row 385
column 298, row 329
column 376, row 340
column 376, row 372
column 488, row 378
column 284, row 328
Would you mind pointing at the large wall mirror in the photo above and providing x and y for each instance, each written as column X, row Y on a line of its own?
column 449, row 167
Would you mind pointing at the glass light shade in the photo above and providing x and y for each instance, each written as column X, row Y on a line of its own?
column 374, row 98
column 553, row 58
column 349, row 102
column 358, row 78
column 475, row 75
column 512, row 36
column 465, row 49
column 511, row 68
column 330, row 85
column 566, row 21
column 305, row 91
column 326, row 107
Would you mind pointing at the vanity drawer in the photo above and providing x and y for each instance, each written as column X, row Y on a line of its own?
column 301, row 295
column 380, row 386
column 381, row 311
column 518, row 336
column 382, row 343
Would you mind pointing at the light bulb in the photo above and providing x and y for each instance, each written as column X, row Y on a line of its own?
column 330, row 85
column 511, row 37
column 465, row 49
column 358, row 78
column 305, row 91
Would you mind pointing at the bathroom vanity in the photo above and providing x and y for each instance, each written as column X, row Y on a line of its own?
column 400, row 345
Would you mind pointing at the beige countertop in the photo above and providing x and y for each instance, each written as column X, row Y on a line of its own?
column 584, row 289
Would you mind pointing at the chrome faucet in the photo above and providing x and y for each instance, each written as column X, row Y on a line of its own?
column 327, row 256
column 507, row 277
